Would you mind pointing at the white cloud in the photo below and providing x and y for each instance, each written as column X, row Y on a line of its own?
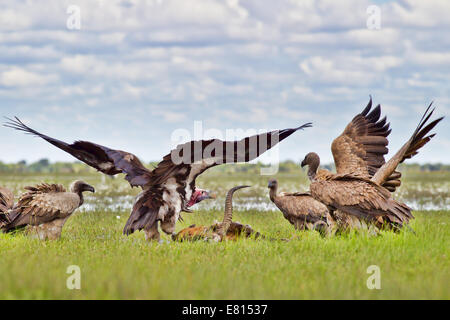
column 18, row 77
column 13, row 20
column 171, row 116
column 417, row 13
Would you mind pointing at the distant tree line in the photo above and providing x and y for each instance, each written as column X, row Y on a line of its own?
column 45, row 166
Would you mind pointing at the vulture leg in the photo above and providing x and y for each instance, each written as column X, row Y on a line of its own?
column 47, row 231
column 168, row 225
column 321, row 227
column 152, row 233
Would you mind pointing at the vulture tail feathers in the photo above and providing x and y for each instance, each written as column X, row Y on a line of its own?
column 144, row 213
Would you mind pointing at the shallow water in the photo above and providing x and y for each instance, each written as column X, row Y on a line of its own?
column 417, row 196
column 420, row 191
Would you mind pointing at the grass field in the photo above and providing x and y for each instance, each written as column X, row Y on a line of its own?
column 308, row 267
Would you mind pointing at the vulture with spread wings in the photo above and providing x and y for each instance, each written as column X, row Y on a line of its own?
column 361, row 186
column 170, row 187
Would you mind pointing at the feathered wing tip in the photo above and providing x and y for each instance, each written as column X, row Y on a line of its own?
column 17, row 124
column 283, row 134
column 306, row 125
column 368, row 107
column 420, row 138
column 377, row 126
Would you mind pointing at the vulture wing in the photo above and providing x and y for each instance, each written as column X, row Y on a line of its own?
column 102, row 158
column 360, row 149
column 360, row 197
column 302, row 206
column 387, row 175
column 43, row 203
column 187, row 161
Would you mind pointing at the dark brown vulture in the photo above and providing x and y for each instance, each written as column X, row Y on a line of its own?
column 361, row 186
column 170, row 187
column 219, row 231
column 300, row 209
column 43, row 209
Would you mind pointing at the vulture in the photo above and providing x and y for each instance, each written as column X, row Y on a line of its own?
column 169, row 188
column 219, row 231
column 361, row 187
column 300, row 209
column 6, row 203
column 43, row 209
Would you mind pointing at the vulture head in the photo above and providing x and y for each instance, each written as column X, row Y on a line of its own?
column 312, row 160
column 273, row 187
column 273, row 184
column 80, row 186
column 200, row 195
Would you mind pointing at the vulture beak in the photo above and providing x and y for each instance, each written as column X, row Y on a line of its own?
column 303, row 163
column 208, row 195
column 200, row 195
column 88, row 187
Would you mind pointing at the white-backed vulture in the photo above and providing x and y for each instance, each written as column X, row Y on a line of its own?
column 360, row 188
column 170, row 187
column 300, row 209
column 219, row 231
column 43, row 209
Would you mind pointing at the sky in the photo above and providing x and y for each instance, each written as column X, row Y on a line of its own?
column 128, row 73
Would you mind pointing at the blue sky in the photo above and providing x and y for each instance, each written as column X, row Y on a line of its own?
column 138, row 70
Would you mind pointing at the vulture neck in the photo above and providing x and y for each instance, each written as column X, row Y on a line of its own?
column 273, row 193
column 80, row 195
column 312, row 170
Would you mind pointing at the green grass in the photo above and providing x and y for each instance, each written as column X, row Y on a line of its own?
column 114, row 266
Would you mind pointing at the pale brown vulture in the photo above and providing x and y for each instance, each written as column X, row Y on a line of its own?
column 6, row 204
column 219, row 231
column 170, row 187
column 43, row 209
column 361, row 185
column 300, row 209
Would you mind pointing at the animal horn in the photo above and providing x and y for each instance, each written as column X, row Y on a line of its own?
column 228, row 215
